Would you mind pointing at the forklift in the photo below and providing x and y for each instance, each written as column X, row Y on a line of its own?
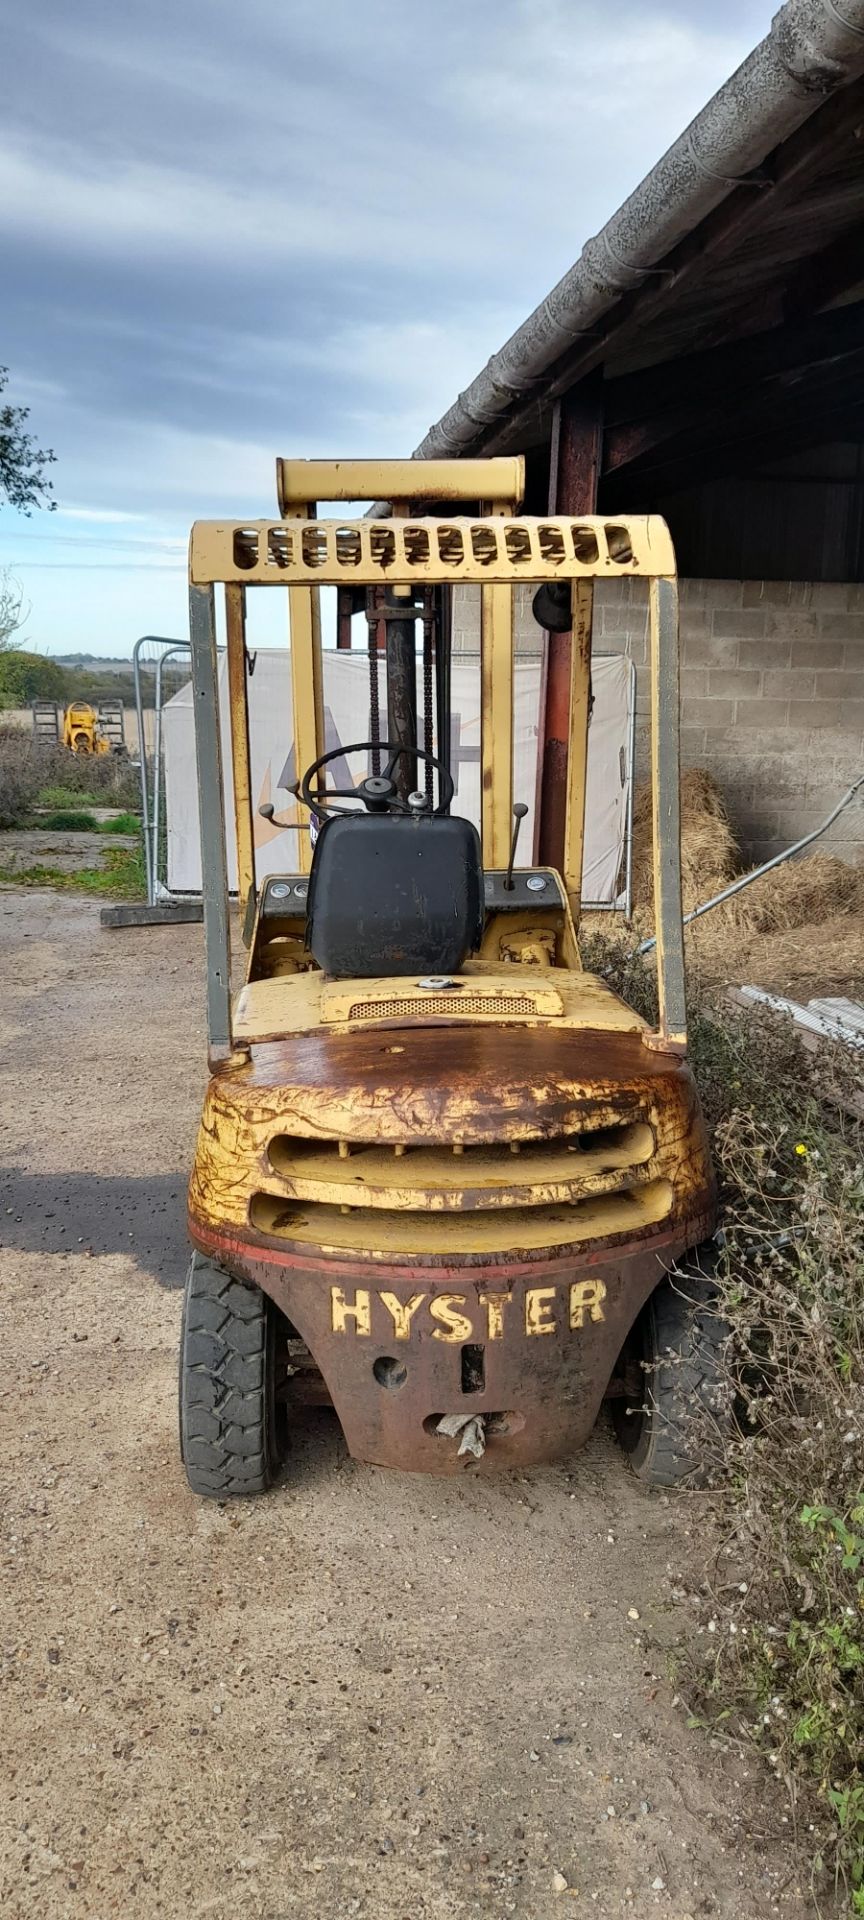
column 81, row 728
column 446, row 1180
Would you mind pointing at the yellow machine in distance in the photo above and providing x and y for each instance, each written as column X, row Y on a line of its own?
column 82, row 732
column 80, row 727
column 443, row 1171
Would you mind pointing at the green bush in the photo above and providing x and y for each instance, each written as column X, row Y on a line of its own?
column 69, row 821
column 122, row 823
column 64, row 813
column 29, row 676
column 58, row 796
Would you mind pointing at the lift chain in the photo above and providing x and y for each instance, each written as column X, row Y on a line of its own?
column 373, row 614
column 428, row 724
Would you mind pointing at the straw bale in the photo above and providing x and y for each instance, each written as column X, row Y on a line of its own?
column 709, row 851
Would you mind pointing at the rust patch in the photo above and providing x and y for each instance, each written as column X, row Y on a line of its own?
column 499, row 1081
column 502, row 1085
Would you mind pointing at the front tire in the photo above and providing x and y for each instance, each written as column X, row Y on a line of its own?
column 230, row 1440
column 675, row 1429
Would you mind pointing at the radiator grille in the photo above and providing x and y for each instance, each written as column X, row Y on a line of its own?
column 502, row 1005
column 459, row 1176
column 386, row 1231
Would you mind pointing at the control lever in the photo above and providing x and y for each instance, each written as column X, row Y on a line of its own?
column 268, row 811
column 519, row 812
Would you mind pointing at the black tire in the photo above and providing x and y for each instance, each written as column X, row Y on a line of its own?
column 230, row 1438
column 675, row 1431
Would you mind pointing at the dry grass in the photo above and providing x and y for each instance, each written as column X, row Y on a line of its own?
column 799, row 962
column 799, row 927
column 805, row 892
column 709, row 851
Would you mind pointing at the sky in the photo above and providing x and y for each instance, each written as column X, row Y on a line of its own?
column 228, row 233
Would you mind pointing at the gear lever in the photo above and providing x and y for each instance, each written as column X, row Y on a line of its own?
column 519, row 812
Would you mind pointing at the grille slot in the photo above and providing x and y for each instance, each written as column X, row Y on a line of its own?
column 508, row 1232
column 453, row 1178
column 628, row 1144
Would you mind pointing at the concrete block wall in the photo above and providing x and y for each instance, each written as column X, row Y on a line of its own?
column 772, row 695
column 466, row 622
column 772, row 699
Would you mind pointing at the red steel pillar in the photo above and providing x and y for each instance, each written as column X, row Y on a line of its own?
column 574, row 468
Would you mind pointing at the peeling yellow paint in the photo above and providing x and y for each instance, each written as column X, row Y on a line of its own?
column 342, row 1310
column 454, row 1326
column 401, row 1312
column 457, row 1318
column 585, row 1297
column 495, row 1304
column 538, row 1314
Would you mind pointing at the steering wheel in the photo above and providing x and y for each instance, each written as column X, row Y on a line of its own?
column 378, row 791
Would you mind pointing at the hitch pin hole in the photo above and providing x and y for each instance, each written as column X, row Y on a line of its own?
column 390, row 1372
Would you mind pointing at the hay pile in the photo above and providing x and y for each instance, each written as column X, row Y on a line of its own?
column 805, row 892
column 801, row 923
column 709, row 852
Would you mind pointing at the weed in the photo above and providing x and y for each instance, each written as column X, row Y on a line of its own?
column 780, row 1660
column 107, row 779
column 32, row 773
column 122, row 823
column 58, row 797
column 19, row 778
column 791, row 1662
column 122, row 876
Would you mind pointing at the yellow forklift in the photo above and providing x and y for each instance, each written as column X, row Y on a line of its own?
column 443, row 1172
column 80, row 727
column 82, row 731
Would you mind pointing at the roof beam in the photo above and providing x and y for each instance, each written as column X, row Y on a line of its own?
column 701, row 393
column 698, row 376
column 742, row 450
column 826, row 276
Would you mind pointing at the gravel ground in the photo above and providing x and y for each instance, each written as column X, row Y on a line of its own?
column 366, row 1694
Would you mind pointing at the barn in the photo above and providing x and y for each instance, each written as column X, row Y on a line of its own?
column 703, row 358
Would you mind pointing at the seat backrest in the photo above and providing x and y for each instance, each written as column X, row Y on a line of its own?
column 391, row 894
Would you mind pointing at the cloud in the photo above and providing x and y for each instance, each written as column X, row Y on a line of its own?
column 112, row 517
column 231, row 233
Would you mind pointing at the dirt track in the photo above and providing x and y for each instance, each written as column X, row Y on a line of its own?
column 367, row 1694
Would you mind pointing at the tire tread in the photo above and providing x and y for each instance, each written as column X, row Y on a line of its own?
column 685, row 1381
column 227, row 1429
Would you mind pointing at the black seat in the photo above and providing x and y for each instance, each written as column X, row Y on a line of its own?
column 391, row 894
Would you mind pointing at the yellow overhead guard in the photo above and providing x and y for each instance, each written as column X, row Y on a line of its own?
column 300, row 483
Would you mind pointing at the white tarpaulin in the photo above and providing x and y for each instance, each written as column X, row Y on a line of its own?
column 346, row 705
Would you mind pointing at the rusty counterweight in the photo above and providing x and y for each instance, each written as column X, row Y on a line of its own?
column 389, row 1304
